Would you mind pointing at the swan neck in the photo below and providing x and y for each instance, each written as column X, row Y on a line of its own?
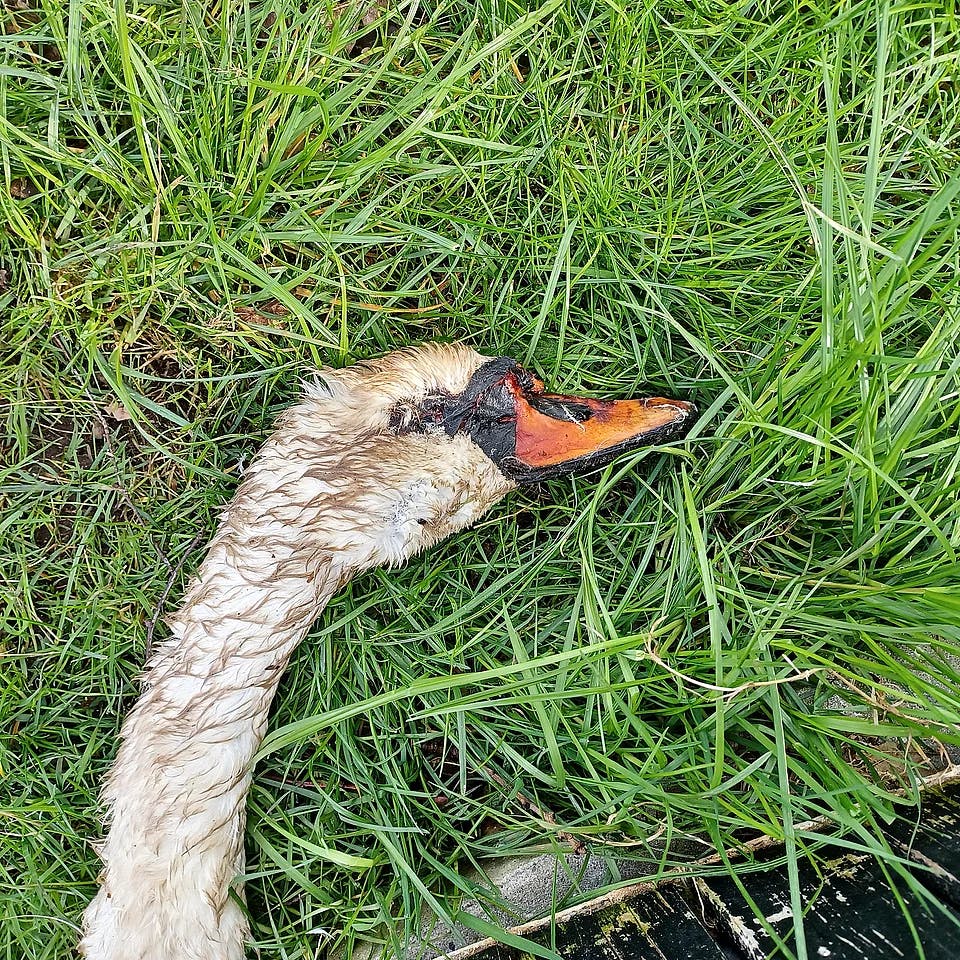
column 177, row 791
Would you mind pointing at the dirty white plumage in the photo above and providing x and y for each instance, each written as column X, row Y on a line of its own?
column 334, row 491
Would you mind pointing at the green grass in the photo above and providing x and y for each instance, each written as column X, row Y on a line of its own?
column 755, row 205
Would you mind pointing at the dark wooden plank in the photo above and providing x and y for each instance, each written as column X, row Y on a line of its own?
column 655, row 926
column 850, row 912
column 658, row 926
column 931, row 837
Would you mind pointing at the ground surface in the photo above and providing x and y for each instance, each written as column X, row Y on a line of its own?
column 754, row 205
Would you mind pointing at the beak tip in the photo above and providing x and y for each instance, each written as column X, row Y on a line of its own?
column 690, row 417
column 686, row 412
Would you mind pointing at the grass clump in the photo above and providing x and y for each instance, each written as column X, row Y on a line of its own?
column 754, row 205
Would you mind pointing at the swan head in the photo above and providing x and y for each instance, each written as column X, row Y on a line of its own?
column 408, row 448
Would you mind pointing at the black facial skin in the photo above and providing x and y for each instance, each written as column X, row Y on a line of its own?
column 485, row 411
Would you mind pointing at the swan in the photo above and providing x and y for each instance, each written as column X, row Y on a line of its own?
column 377, row 462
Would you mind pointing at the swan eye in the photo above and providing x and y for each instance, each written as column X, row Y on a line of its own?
column 402, row 418
column 408, row 417
column 434, row 408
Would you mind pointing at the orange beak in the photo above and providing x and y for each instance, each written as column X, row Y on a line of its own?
column 562, row 434
column 532, row 435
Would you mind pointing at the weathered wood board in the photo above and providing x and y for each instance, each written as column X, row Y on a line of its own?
column 850, row 912
column 660, row 926
column 932, row 840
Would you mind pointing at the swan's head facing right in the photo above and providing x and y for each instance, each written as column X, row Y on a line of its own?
column 404, row 450
column 532, row 435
